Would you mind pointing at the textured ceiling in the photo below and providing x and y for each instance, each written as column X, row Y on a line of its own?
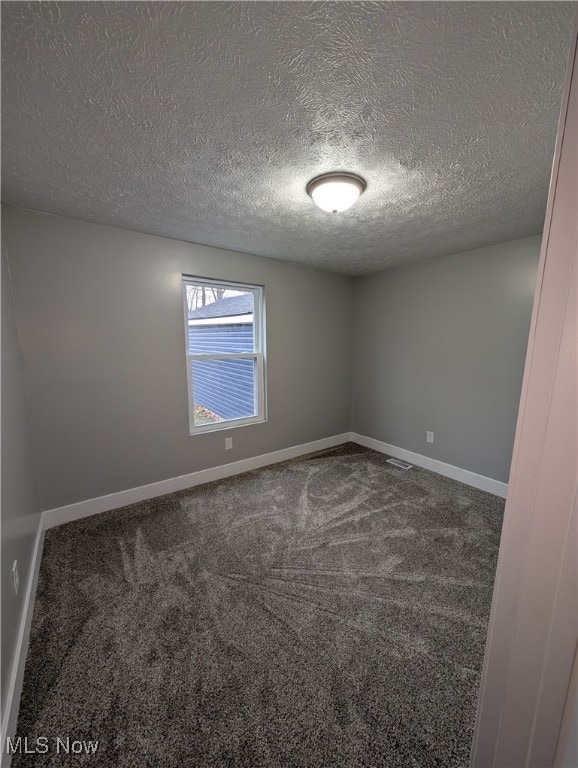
column 203, row 121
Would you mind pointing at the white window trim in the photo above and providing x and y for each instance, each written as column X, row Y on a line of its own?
column 258, row 355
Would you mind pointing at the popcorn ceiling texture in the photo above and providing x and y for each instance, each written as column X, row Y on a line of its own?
column 204, row 121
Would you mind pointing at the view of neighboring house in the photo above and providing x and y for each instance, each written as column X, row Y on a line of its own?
column 223, row 389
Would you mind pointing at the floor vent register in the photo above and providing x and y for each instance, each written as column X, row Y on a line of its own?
column 399, row 463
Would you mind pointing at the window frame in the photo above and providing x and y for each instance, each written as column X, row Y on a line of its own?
column 258, row 354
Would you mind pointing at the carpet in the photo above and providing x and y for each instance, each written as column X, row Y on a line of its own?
column 327, row 611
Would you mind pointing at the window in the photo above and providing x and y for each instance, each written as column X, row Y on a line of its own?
column 224, row 330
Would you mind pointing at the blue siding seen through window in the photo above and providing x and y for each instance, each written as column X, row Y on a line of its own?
column 213, row 339
column 225, row 387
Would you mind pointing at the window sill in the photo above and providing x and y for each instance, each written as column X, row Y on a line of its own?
column 220, row 426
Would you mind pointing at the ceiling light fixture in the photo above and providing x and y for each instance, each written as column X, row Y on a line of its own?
column 335, row 192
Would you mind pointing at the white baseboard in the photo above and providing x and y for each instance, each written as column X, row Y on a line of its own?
column 455, row 473
column 10, row 715
column 60, row 515
column 67, row 514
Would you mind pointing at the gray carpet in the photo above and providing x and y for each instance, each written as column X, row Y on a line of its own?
column 328, row 611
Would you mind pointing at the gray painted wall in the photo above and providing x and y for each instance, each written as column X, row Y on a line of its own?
column 440, row 345
column 102, row 336
column 20, row 499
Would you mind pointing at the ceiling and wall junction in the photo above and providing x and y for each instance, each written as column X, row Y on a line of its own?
column 204, row 121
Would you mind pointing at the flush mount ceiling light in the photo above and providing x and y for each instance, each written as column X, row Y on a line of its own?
column 335, row 192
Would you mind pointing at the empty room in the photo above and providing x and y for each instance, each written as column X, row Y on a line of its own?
column 289, row 415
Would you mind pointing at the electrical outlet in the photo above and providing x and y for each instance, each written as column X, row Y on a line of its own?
column 15, row 577
column 228, row 443
column 429, row 437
